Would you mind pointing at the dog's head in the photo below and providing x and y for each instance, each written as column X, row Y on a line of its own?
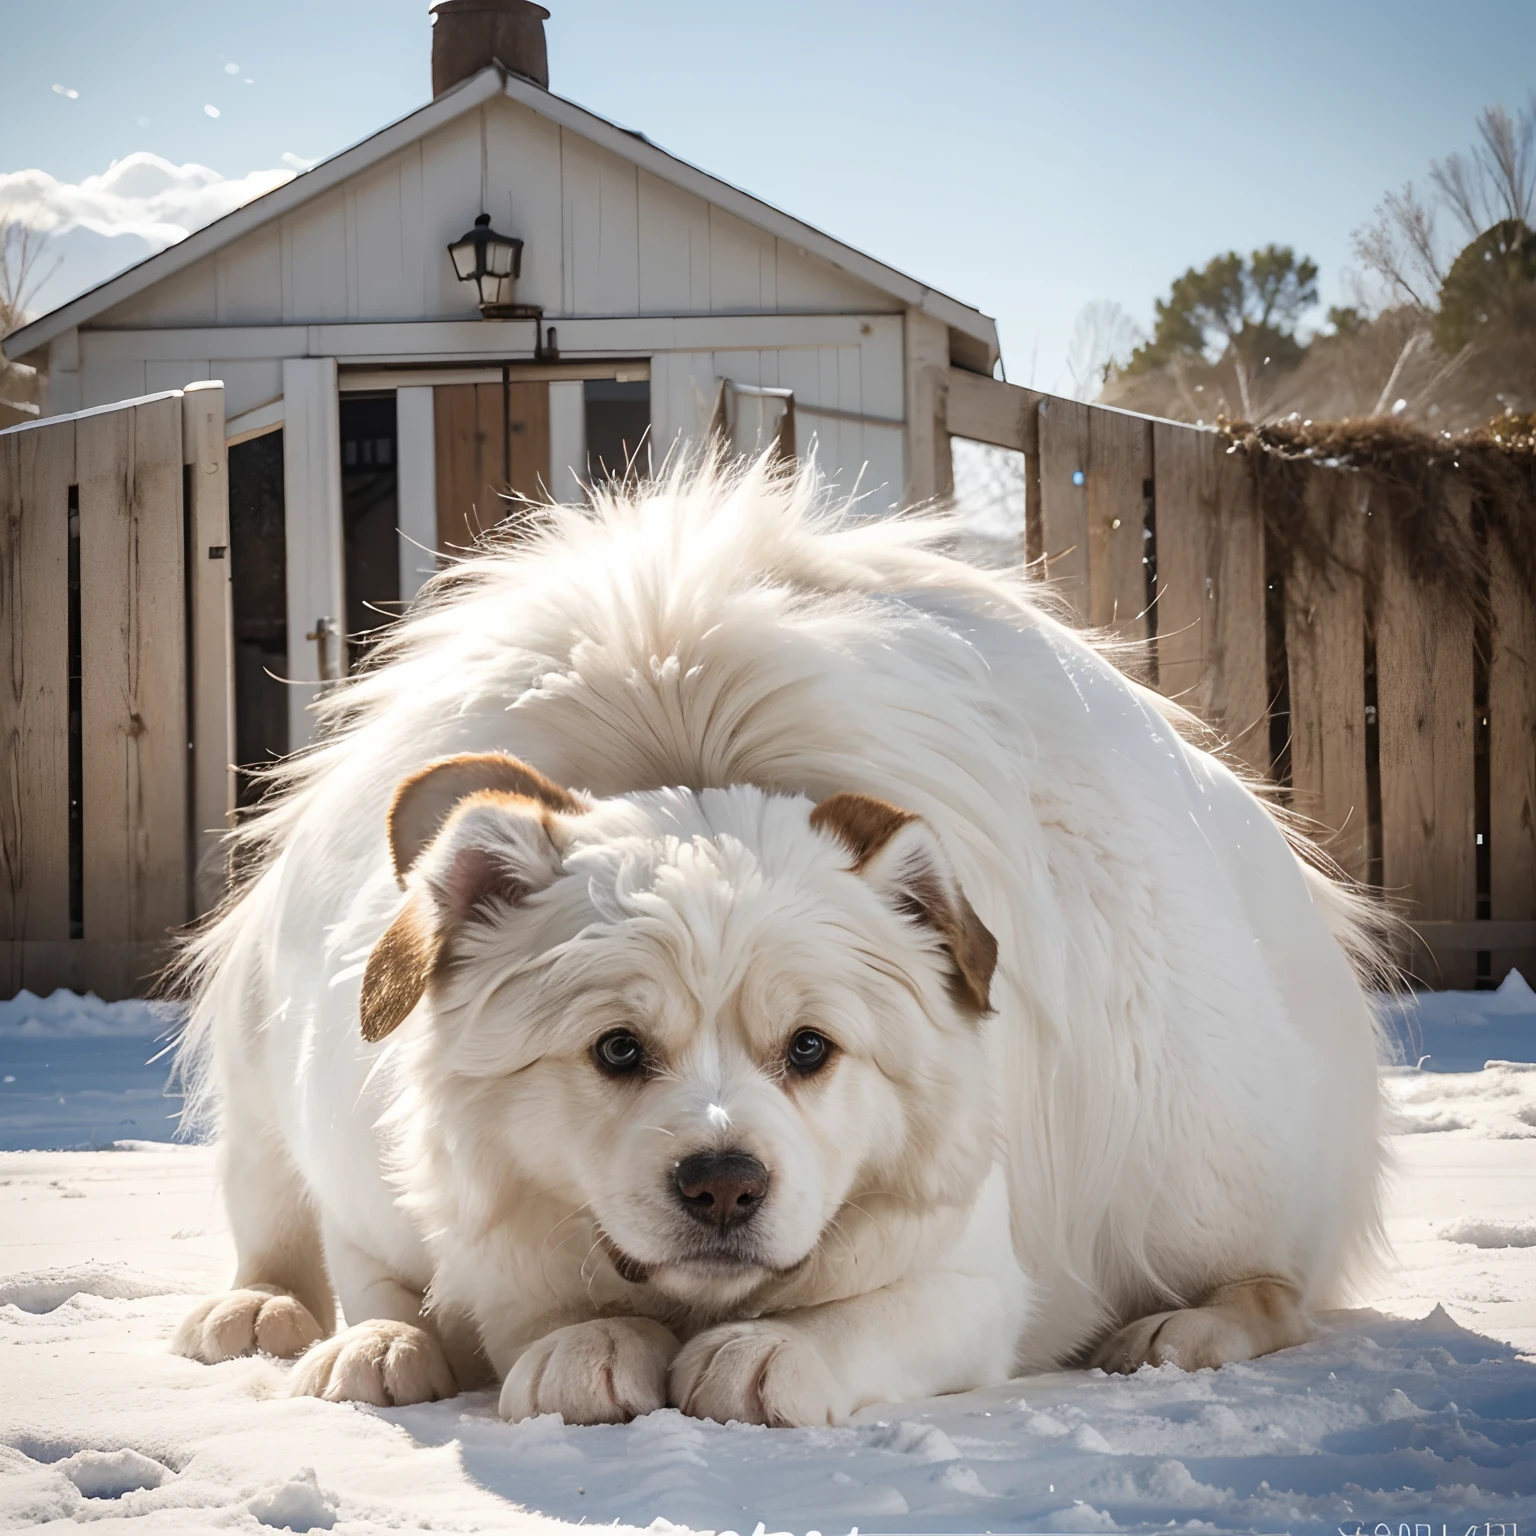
column 712, row 1018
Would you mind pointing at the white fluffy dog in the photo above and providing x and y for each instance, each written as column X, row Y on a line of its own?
column 731, row 955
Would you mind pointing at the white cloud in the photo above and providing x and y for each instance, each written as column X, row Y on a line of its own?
column 211, row 110
column 141, row 194
column 138, row 206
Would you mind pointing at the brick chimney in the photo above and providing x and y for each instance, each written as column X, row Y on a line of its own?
column 469, row 34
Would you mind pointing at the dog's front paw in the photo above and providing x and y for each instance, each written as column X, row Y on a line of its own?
column 258, row 1320
column 757, row 1373
column 603, row 1372
column 385, row 1363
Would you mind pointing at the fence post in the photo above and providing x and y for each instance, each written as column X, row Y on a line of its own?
column 133, row 652
column 929, row 469
column 1428, row 807
column 1119, row 466
column 211, row 684
column 1210, row 578
column 1325, row 654
column 1064, row 541
column 37, row 468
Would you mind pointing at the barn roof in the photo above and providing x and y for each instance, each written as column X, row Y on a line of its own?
column 978, row 332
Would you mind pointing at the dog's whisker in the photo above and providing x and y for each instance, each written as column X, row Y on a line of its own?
column 544, row 1246
column 854, row 1205
column 587, row 1279
column 834, row 1225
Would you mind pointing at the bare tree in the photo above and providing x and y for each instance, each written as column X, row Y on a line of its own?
column 1401, row 247
column 22, row 271
column 1103, row 338
column 1496, row 180
column 1492, row 183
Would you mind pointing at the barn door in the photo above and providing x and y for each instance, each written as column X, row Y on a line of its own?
column 491, row 439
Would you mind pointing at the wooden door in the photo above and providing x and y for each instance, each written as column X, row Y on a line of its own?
column 491, row 439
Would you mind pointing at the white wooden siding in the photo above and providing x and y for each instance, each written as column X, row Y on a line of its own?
column 313, row 528
column 450, row 162
column 385, row 254
column 743, row 267
column 316, row 259
column 857, row 371
column 674, row 249
column 189, row 298
column 248, row 382
column 602, row 251
column 111, row 380
column 161, row 376
column 682, row 398
column 807, row 286
column 864, row 380
column 567, row 439
column 250, row 278
column 623, row 263
column 524, row 197
column 601, row 237
column 416, row 455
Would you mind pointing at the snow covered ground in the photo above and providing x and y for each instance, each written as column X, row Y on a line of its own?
column 1417, row 1409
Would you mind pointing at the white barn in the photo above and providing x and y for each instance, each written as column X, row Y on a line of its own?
column 373, row 411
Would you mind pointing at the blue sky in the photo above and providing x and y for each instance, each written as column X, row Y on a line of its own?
column 1028, row 158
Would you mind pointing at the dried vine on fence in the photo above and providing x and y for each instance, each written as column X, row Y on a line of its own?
column 1411, row 473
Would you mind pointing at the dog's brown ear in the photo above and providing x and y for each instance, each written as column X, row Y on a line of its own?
column 899, row 855
column 424, row 801
column 398, row 970
column 474, row 832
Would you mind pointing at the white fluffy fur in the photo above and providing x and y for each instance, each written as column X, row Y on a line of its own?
column 1176, row 1089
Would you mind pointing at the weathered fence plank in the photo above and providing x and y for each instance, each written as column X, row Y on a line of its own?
column 1119, row 466
column 990, row 411
column 1210, row 578
column 1512, row 754
column 1064, row 499
column 1325, row 653
column 133, row 653
column 37, row 467
column 1428, row 803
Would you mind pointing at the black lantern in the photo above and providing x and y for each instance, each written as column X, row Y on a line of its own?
column 492, row 263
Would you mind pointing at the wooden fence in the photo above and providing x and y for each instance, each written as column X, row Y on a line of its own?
column 115, row 696
column 1408, row 737
column 1399, row 718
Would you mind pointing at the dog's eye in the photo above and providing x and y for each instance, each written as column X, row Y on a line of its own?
column 619, row 1052
column 808, row 1051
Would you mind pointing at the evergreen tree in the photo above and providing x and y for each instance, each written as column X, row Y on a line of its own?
column 1246, row 305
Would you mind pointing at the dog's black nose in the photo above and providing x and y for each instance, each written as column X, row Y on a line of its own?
column 721, row 1189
